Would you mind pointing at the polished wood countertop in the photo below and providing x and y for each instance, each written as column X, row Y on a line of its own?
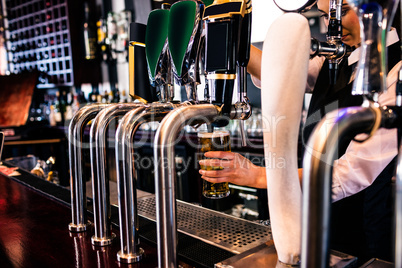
column 34, row 233
column 34, row 219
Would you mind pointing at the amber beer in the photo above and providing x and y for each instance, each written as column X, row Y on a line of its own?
column 214, row 141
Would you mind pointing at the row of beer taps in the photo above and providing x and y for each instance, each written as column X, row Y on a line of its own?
column 217, row 45
column 178, row 45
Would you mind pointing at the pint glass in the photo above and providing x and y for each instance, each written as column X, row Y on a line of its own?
column 214, row 141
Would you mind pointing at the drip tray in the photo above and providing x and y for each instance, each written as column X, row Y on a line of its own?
column 221, row 230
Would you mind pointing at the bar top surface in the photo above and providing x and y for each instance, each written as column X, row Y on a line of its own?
column 34, row 233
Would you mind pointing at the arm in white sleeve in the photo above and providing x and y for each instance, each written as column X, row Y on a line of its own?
column 363, row 162
column 314, row 67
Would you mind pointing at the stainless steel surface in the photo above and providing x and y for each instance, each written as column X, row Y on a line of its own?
column 76, row 161
column 221, row 230
column 126, row 176
column 100, row 184
column 165, row 176
column 321, row 151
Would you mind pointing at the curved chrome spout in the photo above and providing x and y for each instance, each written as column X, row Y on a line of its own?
column 321, row 151
column 100, row 185
column 77, row 183
column 126, row 177
column 164, row 162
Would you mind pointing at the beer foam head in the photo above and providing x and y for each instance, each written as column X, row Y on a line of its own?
column 215, row 134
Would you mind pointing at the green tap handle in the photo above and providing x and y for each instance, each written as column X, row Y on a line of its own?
column 155, row 37
column 181, row 22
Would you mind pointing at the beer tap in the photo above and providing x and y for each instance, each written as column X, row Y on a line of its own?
column 165, row 175
column 185, row 35
column 158, row 55
column 342, row 126
column 223, row 21
column 100, row 184
column 333, row 49
column 227, row 52
column 156, row 42
column 130, row 251
column 77, row 182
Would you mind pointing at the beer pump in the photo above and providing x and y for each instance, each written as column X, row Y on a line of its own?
column 342, row 126
column 158, row 65
column 333, row 49
column 224, row 23
column 77, row 181
column 158, row 50
column 103, row 235
column 100, row 183
column 227, row 52
column 185, row 35
column 158, row 55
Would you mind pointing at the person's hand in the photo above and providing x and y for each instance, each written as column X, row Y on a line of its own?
column 236, row 169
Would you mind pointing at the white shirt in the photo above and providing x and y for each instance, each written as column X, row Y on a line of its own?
column 362, row 162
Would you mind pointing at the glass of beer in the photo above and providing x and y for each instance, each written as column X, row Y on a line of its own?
column 214, row 141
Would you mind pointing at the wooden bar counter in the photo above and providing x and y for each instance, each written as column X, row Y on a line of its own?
column 34, row 219
column 34, row 230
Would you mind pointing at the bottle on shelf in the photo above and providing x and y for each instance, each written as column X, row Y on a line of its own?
column 68, row 113
column 90, row 34
column 93, row 96
column 57, row 109
column 52, row 116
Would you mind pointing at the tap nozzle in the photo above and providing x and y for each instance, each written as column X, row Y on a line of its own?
column 333, row 49
column 227, row 47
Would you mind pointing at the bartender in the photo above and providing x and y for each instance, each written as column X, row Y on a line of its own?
column 362, row 211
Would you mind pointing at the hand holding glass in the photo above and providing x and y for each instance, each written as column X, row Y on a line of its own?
column 214, row 141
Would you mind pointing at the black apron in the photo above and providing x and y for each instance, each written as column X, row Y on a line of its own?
column 361, row 225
